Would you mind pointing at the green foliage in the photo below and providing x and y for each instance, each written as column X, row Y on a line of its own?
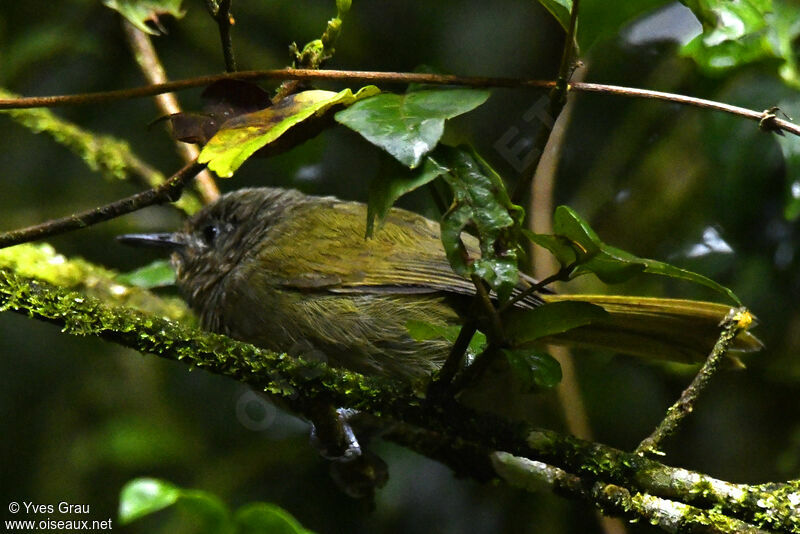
column 734, row 33
column 394, row 182
column 480, row 205
column 533, row 368
column 140, row 12
column 599, row 19
column 409, row 126
column 145, row 496
column 240, row 137
column 574, row 242
column 560, row 9
column 109, row 156
column 524, row 326
column 156, row 274
column 423, row 331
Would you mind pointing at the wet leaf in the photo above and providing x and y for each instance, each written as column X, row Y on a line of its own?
column 240, row 137
column 142, row 12
column 394, row 182
column 480, row 205
column 409, row 126
column 524, row 326
column 533, row 368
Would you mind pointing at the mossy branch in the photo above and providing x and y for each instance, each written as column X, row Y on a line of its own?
column 111, row 157
column 632, row 483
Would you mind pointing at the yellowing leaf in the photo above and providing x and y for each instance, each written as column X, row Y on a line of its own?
column 240, row 137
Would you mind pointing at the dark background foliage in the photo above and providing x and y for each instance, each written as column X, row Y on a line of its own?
column 82, row 417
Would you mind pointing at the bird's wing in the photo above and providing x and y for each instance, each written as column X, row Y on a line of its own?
column 405, row 254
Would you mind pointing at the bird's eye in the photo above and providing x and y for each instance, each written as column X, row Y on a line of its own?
column 210, row 233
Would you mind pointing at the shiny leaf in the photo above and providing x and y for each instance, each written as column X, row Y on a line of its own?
column 144, row 496
column 734, row 33
column 481, row 205
column 409, row 126
column 240, row 137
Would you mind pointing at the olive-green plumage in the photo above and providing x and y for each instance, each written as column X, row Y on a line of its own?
column 292, row 272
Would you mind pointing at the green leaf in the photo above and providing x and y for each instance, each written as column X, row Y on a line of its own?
column 394, row 182
column 783, row 32
column 409, row 126
column 157, row 274
column 140, row 12
column 480, row 204
column 599, row 19
column 734, row 33
column 240, row 137
column 560, row 9
column 533, row 368
column 609, row 264
column 724, row 20
column 265, row 518
column 561, row 247
column 144, row 496
column 524, row 326
column 423, row 331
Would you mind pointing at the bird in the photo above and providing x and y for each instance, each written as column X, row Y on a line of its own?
column 295, row 273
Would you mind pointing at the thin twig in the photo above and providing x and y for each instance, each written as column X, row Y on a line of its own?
column 561, row 275
column 736, row 321
column 485, row 300
column 220, row 11
column 448, row 371
column 390, row 77
column 147, row 58
column 169, row 191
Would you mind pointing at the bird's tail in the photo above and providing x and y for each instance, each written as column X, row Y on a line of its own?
column 667, row 329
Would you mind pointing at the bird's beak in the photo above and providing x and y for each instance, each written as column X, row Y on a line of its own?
column 175, row 241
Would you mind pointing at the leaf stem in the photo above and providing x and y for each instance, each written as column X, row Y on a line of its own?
column 561, row 275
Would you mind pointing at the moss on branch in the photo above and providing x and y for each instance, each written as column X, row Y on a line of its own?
column 465, row 432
